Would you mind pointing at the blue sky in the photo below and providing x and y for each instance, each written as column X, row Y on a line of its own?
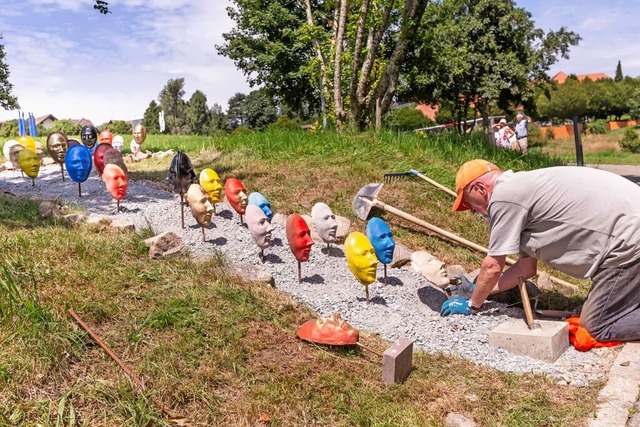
column 68, row 60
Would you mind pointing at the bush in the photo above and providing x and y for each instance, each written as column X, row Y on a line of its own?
column 630, row 141
column 405, row 119
column 285, row 123
column 242, row 130
column 597, row 127
column 119, row 127
column 549, row 135
column 534, row 138
column 66, row 126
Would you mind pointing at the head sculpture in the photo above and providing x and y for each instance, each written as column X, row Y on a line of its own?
column 105, row 137
column 211, row 182
column 134, row 147
column 111, row 156
column 257, row 199
column 139, row 133
column 236, row 195
column 117, row 142
column 430, row 267
column 330, row 330
column 29, row 162
column 13, row 155
column 57, row 145
column 27, row 142
column 325, row 222
column 6, row 148
column 361, row 257
column 39, row 151
column 78, row 163
column 259, row 226
column 181, row 174
column 200, row 204
column 298, row 237
column 98, row 155
column 72, row 142
column 116, row 181
column 381, row 237
column 89, row 136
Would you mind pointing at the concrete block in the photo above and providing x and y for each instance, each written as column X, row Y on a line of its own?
column 397, row 361
column 546, row 343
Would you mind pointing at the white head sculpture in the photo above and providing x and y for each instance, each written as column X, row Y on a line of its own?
column 259, row 226
column 118, row 142
column 430, row 267
column 325, row 222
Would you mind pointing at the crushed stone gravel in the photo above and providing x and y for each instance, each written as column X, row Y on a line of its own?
column 408, row 306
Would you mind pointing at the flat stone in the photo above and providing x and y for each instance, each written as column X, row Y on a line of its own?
column 547, row 343
column 123, row 224
column 401, row 256
column 165, row 244
column 48, row 208
column 97, row 219
column 344, row 226
column 279, row 218
column 397, row 361
column 249, row 273
column 454, row 419
column 79, row 217
column 47, row 161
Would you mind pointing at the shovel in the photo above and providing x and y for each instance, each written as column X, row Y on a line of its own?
column 367, row 199
column 388, row 177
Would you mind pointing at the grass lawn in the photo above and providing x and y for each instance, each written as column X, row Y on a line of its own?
column 224, row 353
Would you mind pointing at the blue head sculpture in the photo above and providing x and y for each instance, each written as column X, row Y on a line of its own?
column 78, row 163
column 260, row 201
column 381, row 238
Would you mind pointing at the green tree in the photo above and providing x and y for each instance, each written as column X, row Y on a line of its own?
column 66, row 126
column 235, row 111
column 119, row 127
column 7, row 100
column 9, row 129
column 348, row 53
column 634, row 104
column 568, row 100
column 259, row 109
column 218, row 121
column 482, row 53
column 197, row 114
column 150, row 118
column 619, row 76
column 171, row 102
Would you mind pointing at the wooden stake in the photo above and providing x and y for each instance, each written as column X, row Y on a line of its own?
column 117, row 206
column 182, row 208
column 204, row 239
column 376, row 352
column 366, row 288
column 385, row 274
column 262, row 255
column 241, row 222
column 299, row 273
column 62, row 171
column 328, row 248
column 33, row 182
column 79, row 190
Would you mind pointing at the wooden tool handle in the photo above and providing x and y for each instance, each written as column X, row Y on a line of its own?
column 525, row 301
column 436, row 184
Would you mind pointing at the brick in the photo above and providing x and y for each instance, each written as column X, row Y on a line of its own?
column 547, row 343
column 397, row 361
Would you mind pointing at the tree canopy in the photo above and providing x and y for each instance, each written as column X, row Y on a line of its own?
column 7, row 100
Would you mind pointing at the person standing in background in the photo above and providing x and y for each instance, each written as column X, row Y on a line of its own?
column 522, row 133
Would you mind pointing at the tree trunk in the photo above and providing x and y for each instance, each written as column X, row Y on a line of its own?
column 337, row 72
column 355, row 66
column 324, row 85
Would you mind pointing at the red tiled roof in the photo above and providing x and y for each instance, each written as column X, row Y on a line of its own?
column 43, row 118
column 561, row 77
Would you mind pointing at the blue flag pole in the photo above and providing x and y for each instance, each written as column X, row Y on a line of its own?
column 32, row 125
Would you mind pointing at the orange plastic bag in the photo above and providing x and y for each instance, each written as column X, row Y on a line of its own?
column 580, row 338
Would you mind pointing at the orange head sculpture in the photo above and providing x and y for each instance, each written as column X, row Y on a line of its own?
column 105, row 137
column 115, row 180
column 331, row 330
column 299, row 237
column 236, row 195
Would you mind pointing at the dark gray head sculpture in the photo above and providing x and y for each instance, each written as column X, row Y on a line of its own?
column 181, row 174
column 114, row 157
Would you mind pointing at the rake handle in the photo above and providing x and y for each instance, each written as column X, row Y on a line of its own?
column 387, row 208
column 432, row 182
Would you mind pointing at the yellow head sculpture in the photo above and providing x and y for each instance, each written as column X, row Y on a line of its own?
column 361, row 257
column 211, row 182
column 28, row 142
column 29, row 163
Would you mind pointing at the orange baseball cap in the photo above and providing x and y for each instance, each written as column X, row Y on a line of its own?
column 466, row 174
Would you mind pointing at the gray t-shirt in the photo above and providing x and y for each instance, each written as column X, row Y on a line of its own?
column 575, row 219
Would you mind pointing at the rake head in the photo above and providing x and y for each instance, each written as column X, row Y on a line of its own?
column 394, row 176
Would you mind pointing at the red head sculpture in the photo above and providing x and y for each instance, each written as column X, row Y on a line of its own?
column 236, row 195
column 299, row 237
column 98, row 155
column 116, row 181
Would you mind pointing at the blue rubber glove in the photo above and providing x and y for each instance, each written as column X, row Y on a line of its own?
column 455, row 306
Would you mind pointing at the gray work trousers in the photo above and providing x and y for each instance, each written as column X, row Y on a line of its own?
column 612, row 309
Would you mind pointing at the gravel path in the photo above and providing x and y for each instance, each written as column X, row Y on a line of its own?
column 408, row 306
